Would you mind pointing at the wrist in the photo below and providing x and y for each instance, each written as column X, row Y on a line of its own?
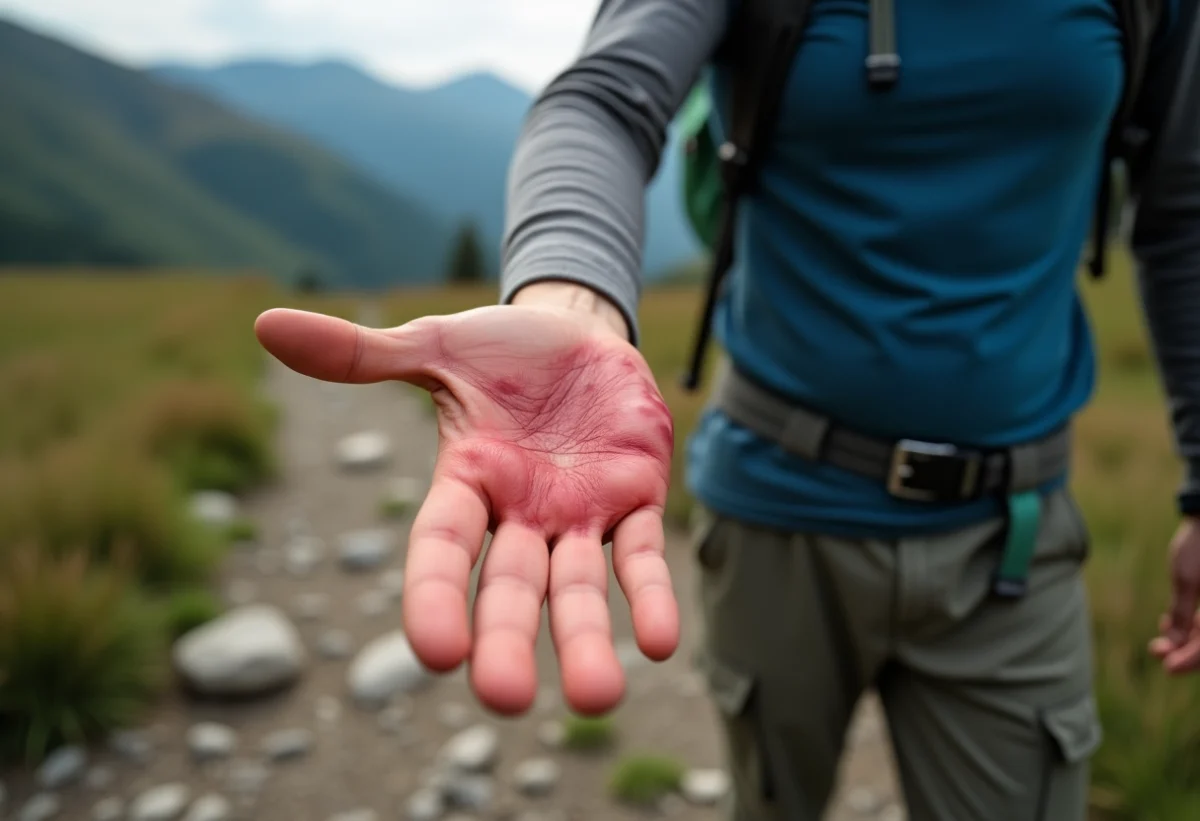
column 574, row 297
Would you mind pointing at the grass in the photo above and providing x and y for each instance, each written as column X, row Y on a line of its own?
column 119, row 395
column 587, row 733
column 644, row 779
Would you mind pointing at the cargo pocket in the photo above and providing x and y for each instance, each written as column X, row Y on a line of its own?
column 1073, row 734
column 735, row 696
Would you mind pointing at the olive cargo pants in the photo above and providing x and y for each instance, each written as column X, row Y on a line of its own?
column 989, row 702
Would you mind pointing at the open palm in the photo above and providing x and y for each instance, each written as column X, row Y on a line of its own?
column 553, row 437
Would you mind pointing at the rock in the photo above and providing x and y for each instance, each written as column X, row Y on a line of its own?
column 356, row 815
column 208, row 740
column 426, row 804
column 247, row 651
column 473, row 750
column 394, row 718
column 374, row 603
column 241, row 592
column 863, row 801
column 310, row 606
column 704, row 787
column 213, row 507
column 41, row 806
column 165, row 802
column 470, row 792
column 302, row 555
column 64, row 766
column 210, row 807
column 108, row 809
column 385, row 667
column 283, row 745
column 552, row 734
column 366, row 450
column 361, row 550
column 536, row 776
column 131, row 744
column 97, row 778
column 452, row 715
column 247, row 777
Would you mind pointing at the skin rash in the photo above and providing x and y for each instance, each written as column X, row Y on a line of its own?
column 563, row 445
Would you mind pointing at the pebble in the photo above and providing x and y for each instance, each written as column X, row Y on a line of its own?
column 394, row 718
column 302, row 555
column 366, row 450
column 209, row 740
column 165, row 802
column 284, row 745
column 131, row 744
column 426, row 804
column 213, row 507
column 108, row 809
column 310, row 606
column 356, row 815
column 385, row 667
column 704, row 787
column 41, row 806
column 247, row 777
column 247, row 651
column 536, row 776
column 334, row 644
column 64, row 766
column 210, row 807
column 470, row 792
column 362, row 550
column 97, row 778
column 473, row 750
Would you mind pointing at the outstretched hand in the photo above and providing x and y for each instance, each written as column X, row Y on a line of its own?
column 553, row 437
column 1177, row 645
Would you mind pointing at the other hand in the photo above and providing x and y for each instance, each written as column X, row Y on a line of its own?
column 1178, row 642
column 554, row 438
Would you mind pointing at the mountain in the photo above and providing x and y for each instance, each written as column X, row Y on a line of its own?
column 100, row 163
column 448, row 147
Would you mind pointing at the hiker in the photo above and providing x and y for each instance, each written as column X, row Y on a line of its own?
column 882, row 467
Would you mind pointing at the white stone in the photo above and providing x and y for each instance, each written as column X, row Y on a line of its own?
column 282, row 745
column 425, row 804
column 209, row 740
column 41, row 806
column 704, row 787
column 210, row 807
column 165, row 802
column 366, row 450
column 385, row 667
column 247, row 651
column 64, row 766
column 213, row 507
column 863, row 801
column 473, row 750
column 536, row 776
column 361, row 550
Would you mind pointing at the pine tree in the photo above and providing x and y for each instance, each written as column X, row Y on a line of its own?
column 467, row 266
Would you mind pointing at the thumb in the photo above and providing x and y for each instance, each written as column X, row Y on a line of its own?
column 335, row 350
column 1182, row 615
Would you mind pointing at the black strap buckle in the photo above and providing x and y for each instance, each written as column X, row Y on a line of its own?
column 934, row 472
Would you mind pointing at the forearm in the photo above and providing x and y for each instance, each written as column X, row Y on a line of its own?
column 573, row 296
column 592, row 143
column 1166, row 243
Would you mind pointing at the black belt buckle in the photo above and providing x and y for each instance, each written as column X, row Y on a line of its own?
column 934, row 472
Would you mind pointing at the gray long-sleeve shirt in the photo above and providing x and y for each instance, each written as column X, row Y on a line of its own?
column 594, row 139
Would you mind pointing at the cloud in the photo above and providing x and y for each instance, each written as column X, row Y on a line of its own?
column 415, row 41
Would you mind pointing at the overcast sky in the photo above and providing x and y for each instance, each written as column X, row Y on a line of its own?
column 411, row 41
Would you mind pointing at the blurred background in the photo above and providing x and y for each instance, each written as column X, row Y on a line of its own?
column 201, row 553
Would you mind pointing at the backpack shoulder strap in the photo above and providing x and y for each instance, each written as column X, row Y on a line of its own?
column 1139, row 23
column 762, row 39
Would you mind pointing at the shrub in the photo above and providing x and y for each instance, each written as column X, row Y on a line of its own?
column 187, row 609
column 80, row 651
column 645, row 779
column 588, row 732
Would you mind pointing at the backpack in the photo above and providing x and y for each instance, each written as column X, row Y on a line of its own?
column 759, row 46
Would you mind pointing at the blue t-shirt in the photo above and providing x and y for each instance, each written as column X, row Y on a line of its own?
column 909, row 265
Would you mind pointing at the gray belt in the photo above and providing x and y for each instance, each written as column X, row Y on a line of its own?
column 910, row 469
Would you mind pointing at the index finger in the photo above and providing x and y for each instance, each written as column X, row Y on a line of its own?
column 446, row 539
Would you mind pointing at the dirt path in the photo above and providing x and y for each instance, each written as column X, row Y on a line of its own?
column 362, row 760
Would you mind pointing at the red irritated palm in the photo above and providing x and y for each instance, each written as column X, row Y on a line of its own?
column 554, row 438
